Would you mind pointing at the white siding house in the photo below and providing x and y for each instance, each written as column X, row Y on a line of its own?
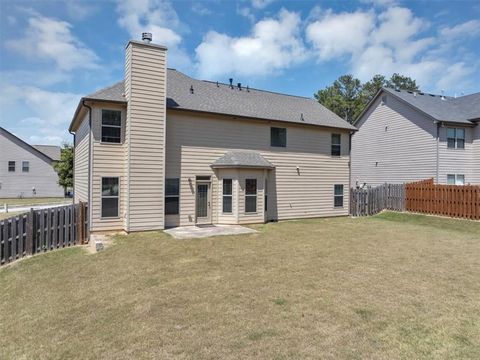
column 404, row 136
column 26, row 171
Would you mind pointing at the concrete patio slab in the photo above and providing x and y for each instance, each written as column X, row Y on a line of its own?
column 190, row 232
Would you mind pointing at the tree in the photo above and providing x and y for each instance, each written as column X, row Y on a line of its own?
column 64, row 167
column 347, row 96
column 343, row 97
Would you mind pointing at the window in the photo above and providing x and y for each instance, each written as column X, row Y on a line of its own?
column 455, row 179
column 250, row 195
column 227, row 196
column 278, row 137
column 111, row 126
column 455, row 138
column 338, row 196
column 172, row 196
column 25, row 166
column 109, row 197
column 11, row 166
column 336, row 144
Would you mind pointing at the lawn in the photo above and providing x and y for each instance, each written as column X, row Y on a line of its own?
column 392, row 286
column 33, row 201
column 9, row 215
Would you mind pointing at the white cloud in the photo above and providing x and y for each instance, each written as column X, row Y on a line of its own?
column 49, row 112
column 467, row 29
column 51, row 39
column 247, row 13
column 159, row 18
column 274, row 44
column 201, row 10
column 388, row 41
column 260, row 4
column 339, row 34
column 79, row 10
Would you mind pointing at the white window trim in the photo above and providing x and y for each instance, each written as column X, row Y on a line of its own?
column 111, row 126
column 456, row 176
column 337, row 196
column 230, row 196
column 251, row 195
column 174, row 196
column 456, row 138
column 109, row 197
column 23, row 166
column 332, row 144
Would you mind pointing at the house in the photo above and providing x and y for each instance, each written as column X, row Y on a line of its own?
column 406, row 136
column 161, row 149
column 27, row 170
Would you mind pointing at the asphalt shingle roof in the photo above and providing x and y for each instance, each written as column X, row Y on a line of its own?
column 220, row 98
column 242, row 159
column 459, row 110
column 52, row 151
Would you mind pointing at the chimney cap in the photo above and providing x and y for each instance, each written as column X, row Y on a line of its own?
column 147, row 37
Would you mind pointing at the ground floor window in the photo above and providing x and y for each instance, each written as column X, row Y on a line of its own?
column 110, row 191
column 338, row 195
column 172, row 196
column 455, row 179
column 250, row 195
column 227, row 196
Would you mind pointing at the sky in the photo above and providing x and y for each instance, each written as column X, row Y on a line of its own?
column 54, row 52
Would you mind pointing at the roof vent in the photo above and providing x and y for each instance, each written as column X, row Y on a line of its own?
column 147, row 37
column 301, row 117
column 415, row 93
column 239, row 85
column 191, row 89
column 217, row 84
column 231, row 83
column 248, row 89
column 443, row 96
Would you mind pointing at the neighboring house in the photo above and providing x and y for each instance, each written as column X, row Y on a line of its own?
column 162, row 149
column 26, row 170
column 405, row 136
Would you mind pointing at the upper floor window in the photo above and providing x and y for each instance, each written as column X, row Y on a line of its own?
column 455, row 138
column 111, row 126
column 336, row 144
column 227, row 196
column 25, row 166
column 278, row 137
column 11, row 166
column 455, row 179
column 172, row 196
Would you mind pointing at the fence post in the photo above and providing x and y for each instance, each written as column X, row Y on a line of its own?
column 30, row 232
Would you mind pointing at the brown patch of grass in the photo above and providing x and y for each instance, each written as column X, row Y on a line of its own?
column 371, row 288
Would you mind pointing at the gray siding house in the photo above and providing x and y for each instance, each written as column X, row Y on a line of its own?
column 405, row 136
column 161, row 149
column 26, row 170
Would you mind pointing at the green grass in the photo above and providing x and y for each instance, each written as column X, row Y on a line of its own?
column 393, row 286
column 33, row 201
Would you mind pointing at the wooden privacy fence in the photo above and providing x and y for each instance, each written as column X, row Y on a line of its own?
column 43, row 230
column 372, row 200
column 447, row 200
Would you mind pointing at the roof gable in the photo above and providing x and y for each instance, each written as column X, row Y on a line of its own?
column 25, row 145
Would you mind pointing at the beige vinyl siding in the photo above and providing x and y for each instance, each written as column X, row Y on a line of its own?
column 145, row 136
column 394, row 144
column 108, row 161
column 41, row 174
column 81, row 161
column 194, row 141
column 456, row 161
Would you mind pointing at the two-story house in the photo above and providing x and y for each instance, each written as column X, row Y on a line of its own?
column 406, row 136
column 27, row 170
column 162, row 149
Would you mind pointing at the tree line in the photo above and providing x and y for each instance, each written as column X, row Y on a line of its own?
column 348, row 96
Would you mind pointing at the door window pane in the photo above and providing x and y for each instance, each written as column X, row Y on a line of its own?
column 202, row 200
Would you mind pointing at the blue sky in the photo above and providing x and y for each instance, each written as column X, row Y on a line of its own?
column 54, row 52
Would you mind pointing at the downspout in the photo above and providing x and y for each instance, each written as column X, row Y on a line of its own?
column 349, row 167
column 90, row 162
column 437, row 170
column 73, row 170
